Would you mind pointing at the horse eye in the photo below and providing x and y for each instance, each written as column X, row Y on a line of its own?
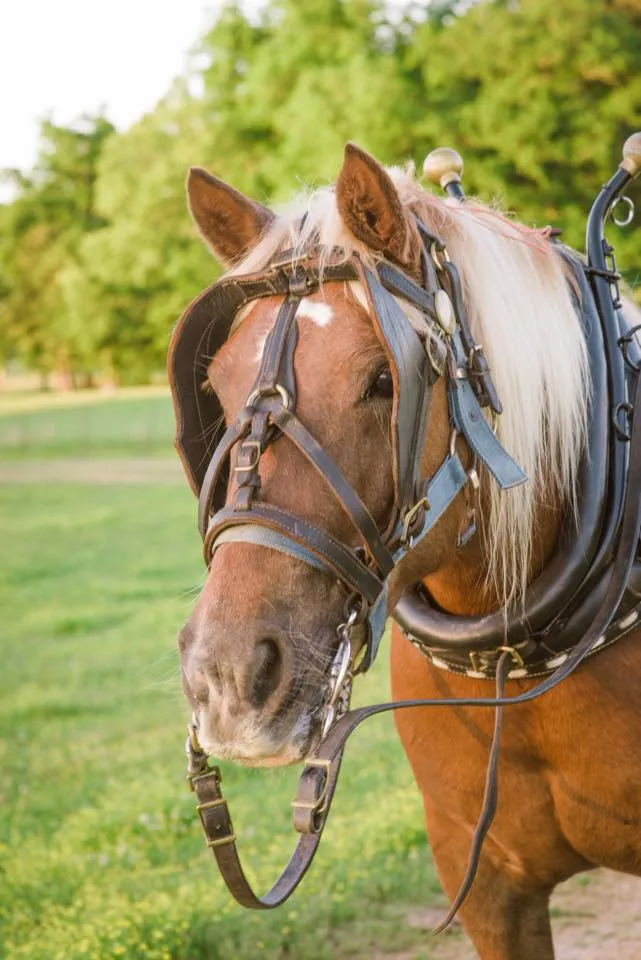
column 381, row 387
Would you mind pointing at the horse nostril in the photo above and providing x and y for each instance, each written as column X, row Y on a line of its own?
column 267, row 670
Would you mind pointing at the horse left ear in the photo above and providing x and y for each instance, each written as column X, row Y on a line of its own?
column 229, row 222
column 369, row 204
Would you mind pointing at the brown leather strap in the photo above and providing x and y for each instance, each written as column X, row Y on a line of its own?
column 278, row 351
column 231, row 436
column 318, row 781
column 490, row 798
column 345, row 493
column 220, row 837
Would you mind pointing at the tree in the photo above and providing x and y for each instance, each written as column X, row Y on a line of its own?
column 41, row 230
column 97, row 253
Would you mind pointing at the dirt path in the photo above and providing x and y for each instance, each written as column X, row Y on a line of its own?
column 132, row 470
column 595, row 916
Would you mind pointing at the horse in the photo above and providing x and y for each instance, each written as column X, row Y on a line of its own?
column 262, row 639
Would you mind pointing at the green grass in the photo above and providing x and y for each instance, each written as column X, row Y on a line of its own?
column 129, row 423
column 101, row 854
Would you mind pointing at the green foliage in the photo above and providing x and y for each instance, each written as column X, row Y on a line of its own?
column 97, row 254
column 100, row 850
column 39, row 237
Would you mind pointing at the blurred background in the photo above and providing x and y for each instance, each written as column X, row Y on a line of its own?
column 102, row 110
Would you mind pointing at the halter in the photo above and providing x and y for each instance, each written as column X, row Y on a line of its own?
column 599, row 598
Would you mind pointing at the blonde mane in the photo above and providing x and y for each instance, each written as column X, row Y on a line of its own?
column 521, row 310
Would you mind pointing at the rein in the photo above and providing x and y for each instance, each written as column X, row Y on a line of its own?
column 594, row 587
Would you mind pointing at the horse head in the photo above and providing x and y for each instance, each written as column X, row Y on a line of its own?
column 316, row 441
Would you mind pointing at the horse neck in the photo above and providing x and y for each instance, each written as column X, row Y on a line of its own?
column 460, row 586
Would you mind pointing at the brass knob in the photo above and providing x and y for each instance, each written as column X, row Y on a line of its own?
column 443, row 166
column 632, row 154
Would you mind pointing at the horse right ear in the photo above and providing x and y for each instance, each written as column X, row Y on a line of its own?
column 369, row 205
column 229, row 222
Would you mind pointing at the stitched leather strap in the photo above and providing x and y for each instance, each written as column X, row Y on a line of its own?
column 338, row 559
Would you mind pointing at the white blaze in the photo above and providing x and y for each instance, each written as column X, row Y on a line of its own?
column 318, row 312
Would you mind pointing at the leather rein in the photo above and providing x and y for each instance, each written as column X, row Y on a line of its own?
column 450, row 351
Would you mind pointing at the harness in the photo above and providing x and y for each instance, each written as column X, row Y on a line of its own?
column 588, row 595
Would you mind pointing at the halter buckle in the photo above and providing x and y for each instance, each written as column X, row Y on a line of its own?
column 410, row 516
column 256, row 449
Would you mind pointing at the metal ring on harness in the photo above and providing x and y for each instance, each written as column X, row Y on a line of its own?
column 629, row 216
column 628, row 409
column 278, row 388
column 624, row 344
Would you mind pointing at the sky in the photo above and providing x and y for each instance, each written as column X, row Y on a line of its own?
column 66, row 57
column 62, row 58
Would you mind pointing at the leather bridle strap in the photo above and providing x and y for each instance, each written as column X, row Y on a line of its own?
column 229, row 439
column 318, row 780
column 219, row 833
column 290, row 425
column 339, row 560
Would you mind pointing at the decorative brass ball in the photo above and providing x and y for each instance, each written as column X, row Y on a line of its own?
column 443, row 166
column 632, row 154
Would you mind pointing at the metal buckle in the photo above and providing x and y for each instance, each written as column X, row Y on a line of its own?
column 410, row 516
column 197, row 765
column 254, row 445
column 300, row 283
column 435, row 249
column 483, row 661
column 514, row 653
column 212, row 805
column 318, row 805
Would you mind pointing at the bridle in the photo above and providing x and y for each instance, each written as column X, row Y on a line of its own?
column 447, row 350
column 416, row 362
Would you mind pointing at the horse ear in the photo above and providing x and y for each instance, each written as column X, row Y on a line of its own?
column 229, row 222
column 369, row 204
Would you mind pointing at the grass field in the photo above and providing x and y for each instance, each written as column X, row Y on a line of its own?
column 131, row 422
column 100, row 851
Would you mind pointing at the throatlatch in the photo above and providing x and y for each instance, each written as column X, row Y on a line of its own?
column 600, row 596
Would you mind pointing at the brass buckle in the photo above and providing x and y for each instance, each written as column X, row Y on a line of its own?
column 318, row 805
column 514, row 653
column 210, row 805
